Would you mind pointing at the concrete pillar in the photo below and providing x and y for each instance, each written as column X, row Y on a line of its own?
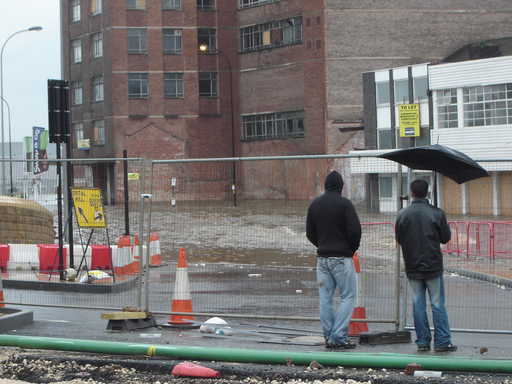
column 465, row 199
column 496, row 201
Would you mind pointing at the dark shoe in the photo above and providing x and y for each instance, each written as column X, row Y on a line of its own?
column 339, row 346
column 423, row 348
column 446, row 348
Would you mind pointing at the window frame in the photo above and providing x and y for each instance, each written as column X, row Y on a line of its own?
column 447, row 109
column 143, row 79
column 75, row 11
column 78, row 132
column 273, row 126
column 77, row 89
column 398, row 87
column 142, row 41
column 272, row 34
column 96, row 7
column 98, row 89
column 487, row 101
column 97, row 45
column 202, row 5
column 175, row 7
column 254, row 3
column 207, row 36
column 139, row 5
column 213, row 81
column 76, row 59
column 98, row 131
column 390, row 179
column 178, row 85
column 175, row 34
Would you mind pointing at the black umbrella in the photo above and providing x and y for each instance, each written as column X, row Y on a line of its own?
column 447, row 161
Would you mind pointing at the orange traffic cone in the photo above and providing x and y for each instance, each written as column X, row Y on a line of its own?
column 355, row 328
column 182, row 301
column 154, row 247
column 188, row 369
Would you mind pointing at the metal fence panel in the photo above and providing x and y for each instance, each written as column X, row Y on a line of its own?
column 26, row 283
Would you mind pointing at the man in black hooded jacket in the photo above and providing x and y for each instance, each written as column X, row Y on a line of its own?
column 332, row 225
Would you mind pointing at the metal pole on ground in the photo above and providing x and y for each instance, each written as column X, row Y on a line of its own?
column 126, row 194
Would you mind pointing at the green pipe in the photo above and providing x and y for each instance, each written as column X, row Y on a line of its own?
column 346, row 359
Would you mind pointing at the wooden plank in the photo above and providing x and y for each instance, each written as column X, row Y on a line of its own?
column 124, row 315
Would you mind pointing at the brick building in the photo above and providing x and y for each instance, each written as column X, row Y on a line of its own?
column 275, row 77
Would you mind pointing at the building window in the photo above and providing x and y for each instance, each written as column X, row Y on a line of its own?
column 402, row 91
column 138, row 85
column 487, row 105
column 95, row 7
column 271, row 35
column 447, row 108
column 99, row 132
column 382, row 89
column 208, row 84
column 97, row 88
column 208, row 37
column 384, row 138
column 385, row 187
column 173, row 85
column 137, row 41
column 205, row 5
column 75, row 11
column 171, row 4
column 78, row 128
column 278, row 125
column 172, row 41
column 97, row 45
column 252, row 3
column 136, row 4
column 76, row 49
column 420, row 88
column 77, row 92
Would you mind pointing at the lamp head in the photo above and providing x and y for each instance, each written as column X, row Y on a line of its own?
column 36, row 28
column 203, row 48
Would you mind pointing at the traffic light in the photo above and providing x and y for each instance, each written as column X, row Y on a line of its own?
column 58, row 111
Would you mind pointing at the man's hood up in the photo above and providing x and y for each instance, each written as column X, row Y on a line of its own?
column 334, row 182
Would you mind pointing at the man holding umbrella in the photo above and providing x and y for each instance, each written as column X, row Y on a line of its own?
column 420, row 229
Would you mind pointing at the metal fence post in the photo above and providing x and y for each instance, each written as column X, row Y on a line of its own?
column 148, row 242
column 142, row 181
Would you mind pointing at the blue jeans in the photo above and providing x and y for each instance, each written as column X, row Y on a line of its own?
column 332, row 273
column 435, row 288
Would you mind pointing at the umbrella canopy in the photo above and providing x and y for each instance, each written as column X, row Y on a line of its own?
column 447, row 161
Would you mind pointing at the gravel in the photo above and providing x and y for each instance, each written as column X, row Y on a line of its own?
column 20, row 366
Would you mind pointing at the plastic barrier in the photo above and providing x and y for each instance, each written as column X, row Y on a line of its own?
column 49, row 258
column 101, row 257
column 4, row 257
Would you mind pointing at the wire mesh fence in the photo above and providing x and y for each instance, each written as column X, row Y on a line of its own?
column 32, row 272
column 241, row 223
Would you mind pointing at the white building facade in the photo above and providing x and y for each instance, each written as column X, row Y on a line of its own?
column 466, row 106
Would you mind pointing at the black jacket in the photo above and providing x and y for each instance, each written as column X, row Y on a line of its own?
column 420, row 229
column 332, row 224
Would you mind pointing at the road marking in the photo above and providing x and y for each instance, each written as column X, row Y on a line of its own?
column 54, row 321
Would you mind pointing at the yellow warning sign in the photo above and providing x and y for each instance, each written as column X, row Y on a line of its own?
column 409, row 120
column 88, row 207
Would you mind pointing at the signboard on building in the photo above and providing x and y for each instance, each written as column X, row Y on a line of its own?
column 133, row 176
column 409, row 117
column 39, row 145
column 88, row 206
column 83, row 144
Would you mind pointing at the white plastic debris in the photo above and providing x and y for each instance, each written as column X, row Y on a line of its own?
column 428, row 374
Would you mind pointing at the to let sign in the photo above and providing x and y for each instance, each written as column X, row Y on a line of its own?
column 409, row 115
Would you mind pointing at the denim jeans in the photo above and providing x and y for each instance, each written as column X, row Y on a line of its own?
column 332, row 273
column 435, row 288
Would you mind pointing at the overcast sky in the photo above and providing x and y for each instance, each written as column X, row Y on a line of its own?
column 29, row 60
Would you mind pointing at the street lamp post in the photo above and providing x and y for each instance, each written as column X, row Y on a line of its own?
column 204, row 48
column 36, row 28
column 10, row 144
